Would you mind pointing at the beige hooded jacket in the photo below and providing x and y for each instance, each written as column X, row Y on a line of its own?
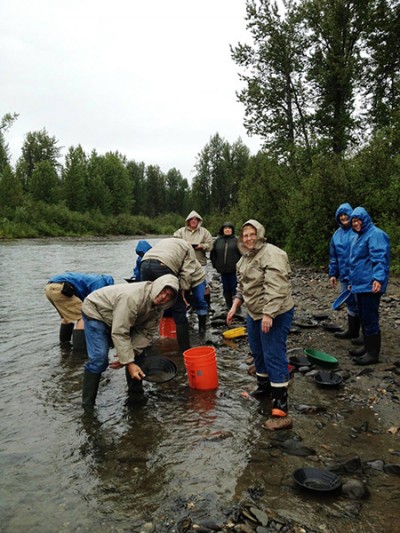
column 179, row 257
column 263, row 277
column 199, row 236
column 129, row 311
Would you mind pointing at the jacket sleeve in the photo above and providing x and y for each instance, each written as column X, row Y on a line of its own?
column 187, row 270
column 276, row 285
column 207, row 240
column 179, row 233
column 379, row 252
column 333, row 260
column 143, row 337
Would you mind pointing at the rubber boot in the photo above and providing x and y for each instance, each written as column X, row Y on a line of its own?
column 263, row 389
column 373, row 345
column 182, row 337
column 89, row 389
column 78, row 340
column 202, row 324
column 228, row 299
column 279, row 401
column 353, row 328
column 359, row 341
column 207, row 298
column 358, row 352
column 135, row 390
column 66, row 332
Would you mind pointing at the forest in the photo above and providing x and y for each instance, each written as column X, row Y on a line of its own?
column 321, row 88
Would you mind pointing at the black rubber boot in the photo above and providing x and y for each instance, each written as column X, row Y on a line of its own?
column 66, row 332
column 279, row 401
column 358, row 352
column 359, row 341
column 89, row 389
column 353, row 328
column 78, row 340
column 182, row 336
column 373, row 345
column 263, row 389
column 228, row 299
column 202, row 324
column 207, row 298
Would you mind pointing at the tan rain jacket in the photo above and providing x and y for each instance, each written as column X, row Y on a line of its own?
column 199, row 236
column 129, row 311
column 178, row 256
column 263, row 277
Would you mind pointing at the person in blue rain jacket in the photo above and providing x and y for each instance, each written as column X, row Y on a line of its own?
column 339, row 257
column 141, row 248
column 368, row 278
column 66, row 292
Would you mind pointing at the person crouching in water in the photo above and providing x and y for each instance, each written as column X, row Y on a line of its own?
column 264, row 285
column 129, row 315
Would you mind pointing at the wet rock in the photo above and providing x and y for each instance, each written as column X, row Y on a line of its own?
column 276, row 424
column 354, row 489
column 294, row 447
column 392, row 469
column 376, row 465
column 184, row 524
column 307, row 409
column 261, row 517
column 350, row 466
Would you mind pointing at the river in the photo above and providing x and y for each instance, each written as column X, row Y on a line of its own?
column 133, row 469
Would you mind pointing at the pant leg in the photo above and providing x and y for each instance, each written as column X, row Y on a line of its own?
column 254, row 339
column 97, row 335
column 368, row 307
column 274, row 348
column 200, row 303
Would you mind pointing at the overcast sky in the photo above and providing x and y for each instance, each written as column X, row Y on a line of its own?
column 153, row 79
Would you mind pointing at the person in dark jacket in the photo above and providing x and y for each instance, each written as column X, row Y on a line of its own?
column 224, row 256
column 66, row 292
column 339, row 257
column 368, row 278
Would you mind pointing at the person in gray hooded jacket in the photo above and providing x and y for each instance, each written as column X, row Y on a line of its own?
column 127, row 314
column 264, row 286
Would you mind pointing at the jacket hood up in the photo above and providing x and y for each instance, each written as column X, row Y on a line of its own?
column 226, row 225
column 160, row 284
column 194, row 214
column 362, row 214
column 343, row 209
column 261, row 240
column 142, row 247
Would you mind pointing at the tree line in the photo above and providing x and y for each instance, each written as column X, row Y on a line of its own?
column 321, row 88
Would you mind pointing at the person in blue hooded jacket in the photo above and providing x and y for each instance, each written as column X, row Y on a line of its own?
column 368, row 278
column 66, row 292
column 339, row 258
column 141, row 248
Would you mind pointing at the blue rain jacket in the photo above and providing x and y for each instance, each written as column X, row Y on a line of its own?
column 339, row 252
column 83, row 284
column 141, row 248
column 369, row 255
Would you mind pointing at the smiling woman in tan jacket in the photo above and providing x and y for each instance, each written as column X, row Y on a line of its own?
column 264, row 285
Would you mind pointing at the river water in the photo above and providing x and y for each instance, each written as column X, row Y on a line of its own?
column 184, row 452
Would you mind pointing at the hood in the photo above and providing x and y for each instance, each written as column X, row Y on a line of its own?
column 142, row 247
column 194, row 214
column 227, row 225
column 343, row 209
column 260, row 237
column 109, row 280
column 362, row 214
column 160, row 283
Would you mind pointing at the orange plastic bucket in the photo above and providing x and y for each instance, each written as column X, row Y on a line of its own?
column 167, row 328
column 201, row 367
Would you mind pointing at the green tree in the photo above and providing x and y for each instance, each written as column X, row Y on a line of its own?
column 155, row 191
column 177, row 189
column 38, row 146
column 75, row 178
column 98, row 193
column 275, row 96
column 136, row 173
column 5, row 123
column 116, row 178
column 44, row 184
column 11, row 194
